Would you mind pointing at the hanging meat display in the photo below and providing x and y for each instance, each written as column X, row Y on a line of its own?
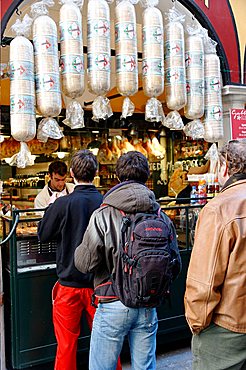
column 22, row 89
column 175, row 78
column 213, row 122
column 47, row 78
column 72, row 60
column 22, row 92
column 99, row 55
column 126, row 53
column 194, row 61
column 153, row 60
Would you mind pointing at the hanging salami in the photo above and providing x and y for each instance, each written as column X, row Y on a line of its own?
column 153, row 60
column 175, row 78
column 194, row 61
column 71, row 44
column 47, row 77
column 72, row 60
column 126, row 52
column 99, row 56
column 22, row 89
column 213, row 122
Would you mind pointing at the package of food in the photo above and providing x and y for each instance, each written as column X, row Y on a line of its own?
column 174, row 56
column 22, row 87
column 153, row 60
column 194, row 62
column 99, row 56
column 126, row 48
column 48, row 92
column 213, row 122
column 72, row 60
column 71, row 46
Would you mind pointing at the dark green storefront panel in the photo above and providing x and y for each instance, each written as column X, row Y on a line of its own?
column 32, row 339
column 172, row 324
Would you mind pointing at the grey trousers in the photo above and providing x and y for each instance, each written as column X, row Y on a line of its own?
column 216, row 348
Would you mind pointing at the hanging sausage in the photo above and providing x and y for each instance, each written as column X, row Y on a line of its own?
column 47, row 78
column 72, row 60
column 126, row 53
column 22, row 89
column 194, row 61
column 153, row 60
column 213, row 122
column 175, row 79
column 22, row 92
column 99, row 56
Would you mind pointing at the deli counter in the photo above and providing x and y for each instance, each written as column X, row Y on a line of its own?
column 29, row 275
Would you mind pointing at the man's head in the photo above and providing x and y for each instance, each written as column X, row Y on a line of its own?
column 232, row 159
column 132, row 166
column 58, row 173
column 83, row 166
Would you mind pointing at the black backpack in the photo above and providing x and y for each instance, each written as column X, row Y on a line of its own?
column 145, row 264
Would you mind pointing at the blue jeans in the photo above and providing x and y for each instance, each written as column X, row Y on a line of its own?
column 112, row 322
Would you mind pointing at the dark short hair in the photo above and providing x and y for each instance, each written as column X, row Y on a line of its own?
column 58, row 167
column 234, row 153
column 132, row 166
column 84, row 165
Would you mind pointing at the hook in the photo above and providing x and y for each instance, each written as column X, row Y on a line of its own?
column 18, row 12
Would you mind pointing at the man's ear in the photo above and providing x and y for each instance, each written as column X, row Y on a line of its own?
column 71, row 173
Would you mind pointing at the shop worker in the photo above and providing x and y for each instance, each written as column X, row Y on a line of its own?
column 65, row 221
column 215, row 298
column 56, row 186
column 98, row 252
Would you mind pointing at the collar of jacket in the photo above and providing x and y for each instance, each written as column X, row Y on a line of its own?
column 234, row 178
column 82, row 187
column 122, row 184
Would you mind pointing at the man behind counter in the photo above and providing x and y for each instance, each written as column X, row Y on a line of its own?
column 56, row 186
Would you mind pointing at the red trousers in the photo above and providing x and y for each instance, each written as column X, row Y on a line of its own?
column 68, row 305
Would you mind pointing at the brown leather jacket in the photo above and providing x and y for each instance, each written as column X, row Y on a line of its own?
column 216, row 281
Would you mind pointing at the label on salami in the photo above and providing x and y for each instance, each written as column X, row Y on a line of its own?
column 125, row 31
column 175, row 76
column 70, row 31
column 22, row 104
column 212, row 84
column 98, row 28
column 214, row 113
column 195, row 87
column 45, row 45
column 126, row 63
column 48, row 82
column 72, row 64
column 152, row 35
column 194, row 59
column 98, row 62
column 174, row 48
column 21, row 70
column 153, row 66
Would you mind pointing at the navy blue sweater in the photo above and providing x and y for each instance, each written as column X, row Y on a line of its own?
column 66, row 221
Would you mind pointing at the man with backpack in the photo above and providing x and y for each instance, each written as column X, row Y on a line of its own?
column 131, row 247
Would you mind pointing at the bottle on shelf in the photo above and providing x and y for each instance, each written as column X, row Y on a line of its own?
column 210, row 188
column 202, row 193
column 216, row 187
column 193, row 195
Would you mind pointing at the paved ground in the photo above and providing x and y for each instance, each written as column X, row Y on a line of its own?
column 175, row 359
